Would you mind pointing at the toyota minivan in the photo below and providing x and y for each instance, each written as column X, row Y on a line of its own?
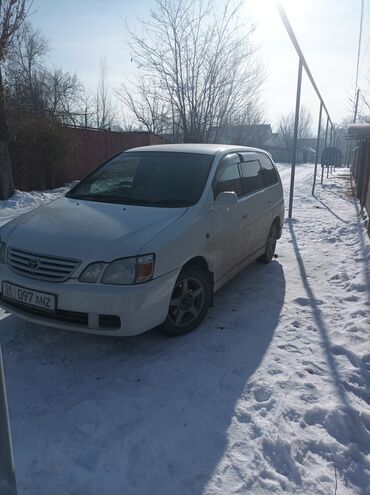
column 143, row 241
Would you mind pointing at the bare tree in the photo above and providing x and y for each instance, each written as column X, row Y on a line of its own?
column 146, row 104
column 365, row 113
column 25, row 74
column 201, row 63
column 87, row 106
column 105, row 113
column 64, row 93
column 364, row 104
column 31, row 87
column 286, row 126
column 12, row 15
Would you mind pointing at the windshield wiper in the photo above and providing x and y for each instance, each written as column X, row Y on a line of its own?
column 171, row 202
column 111, row 198
column 81, row 196
column 103, row 197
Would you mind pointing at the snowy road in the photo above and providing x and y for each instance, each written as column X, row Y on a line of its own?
column 261, row 399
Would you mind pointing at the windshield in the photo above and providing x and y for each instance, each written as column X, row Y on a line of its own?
column 166, row 179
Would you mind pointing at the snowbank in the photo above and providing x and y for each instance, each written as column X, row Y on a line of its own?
column 22, row 201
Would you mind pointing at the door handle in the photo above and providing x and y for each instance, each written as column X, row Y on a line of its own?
column 245, row 216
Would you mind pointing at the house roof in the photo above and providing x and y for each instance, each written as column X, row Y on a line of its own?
column 307, row 148
column 358, row 131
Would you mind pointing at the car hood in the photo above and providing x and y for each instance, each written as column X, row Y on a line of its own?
column 87, row 230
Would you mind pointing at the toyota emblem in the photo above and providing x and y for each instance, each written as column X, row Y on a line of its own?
column 33, row 263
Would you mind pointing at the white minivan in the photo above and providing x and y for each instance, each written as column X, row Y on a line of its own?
column 144, row 240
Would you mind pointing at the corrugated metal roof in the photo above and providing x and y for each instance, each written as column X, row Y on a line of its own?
column 358, row 131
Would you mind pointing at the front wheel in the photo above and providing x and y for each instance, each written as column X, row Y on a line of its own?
column 270, row 245
column 190, row 300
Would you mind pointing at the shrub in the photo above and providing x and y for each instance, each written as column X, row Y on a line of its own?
column 39, row 147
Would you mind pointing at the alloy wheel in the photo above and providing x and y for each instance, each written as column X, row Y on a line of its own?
column 187, row 302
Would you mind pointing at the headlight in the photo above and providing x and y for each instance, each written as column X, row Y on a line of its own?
column 124, row 271
column 92, row 272
column 2, row 251
column 121, row 272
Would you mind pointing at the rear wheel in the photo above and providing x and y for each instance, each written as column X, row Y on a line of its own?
column 190, row 300
column 270, row 245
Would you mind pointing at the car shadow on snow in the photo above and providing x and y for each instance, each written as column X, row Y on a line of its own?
column 143, row 414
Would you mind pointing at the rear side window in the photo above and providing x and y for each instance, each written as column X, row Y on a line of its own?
column 252, row 177
column 269, row 172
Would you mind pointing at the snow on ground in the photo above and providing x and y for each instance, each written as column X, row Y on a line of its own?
column 269, row 396
column 21, row 202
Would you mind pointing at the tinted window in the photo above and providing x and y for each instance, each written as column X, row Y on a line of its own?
column 153, row 178
column 252, row 176
column 227, row 178
column 269, row 172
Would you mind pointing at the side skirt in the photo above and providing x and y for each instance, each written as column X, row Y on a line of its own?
column 237, row 268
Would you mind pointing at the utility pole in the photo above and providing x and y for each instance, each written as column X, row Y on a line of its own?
column 357, row 90
column 295, row 137
column 359, row 43
column 326, row 141
column 317, row 149
column 356, row 106
column 7, row 471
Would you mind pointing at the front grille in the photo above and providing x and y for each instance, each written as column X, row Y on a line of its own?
column 41, row 266
column 106, row 322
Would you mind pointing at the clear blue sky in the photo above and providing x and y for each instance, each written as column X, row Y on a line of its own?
column 82, row 32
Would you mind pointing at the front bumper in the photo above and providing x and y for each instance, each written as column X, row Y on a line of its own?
column 96, row 308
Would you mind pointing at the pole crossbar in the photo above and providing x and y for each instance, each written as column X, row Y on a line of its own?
column 294, row 40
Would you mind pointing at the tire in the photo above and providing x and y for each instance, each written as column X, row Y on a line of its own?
column 190, row 300
column 270, row 245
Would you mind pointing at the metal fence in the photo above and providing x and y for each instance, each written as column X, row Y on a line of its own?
column 329, row 135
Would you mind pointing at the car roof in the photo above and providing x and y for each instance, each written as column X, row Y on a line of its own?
column 207, row 149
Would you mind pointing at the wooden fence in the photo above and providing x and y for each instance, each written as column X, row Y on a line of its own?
column 93, row 147
column 361, row 174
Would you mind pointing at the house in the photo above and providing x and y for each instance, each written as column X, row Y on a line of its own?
column 261, row 136
column 255, row 135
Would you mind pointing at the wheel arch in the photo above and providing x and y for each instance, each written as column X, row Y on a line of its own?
column 277, row 222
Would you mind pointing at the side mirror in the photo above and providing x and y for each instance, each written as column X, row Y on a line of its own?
column 225, row 199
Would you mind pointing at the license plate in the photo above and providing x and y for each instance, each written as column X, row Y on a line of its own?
column 29, row 297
